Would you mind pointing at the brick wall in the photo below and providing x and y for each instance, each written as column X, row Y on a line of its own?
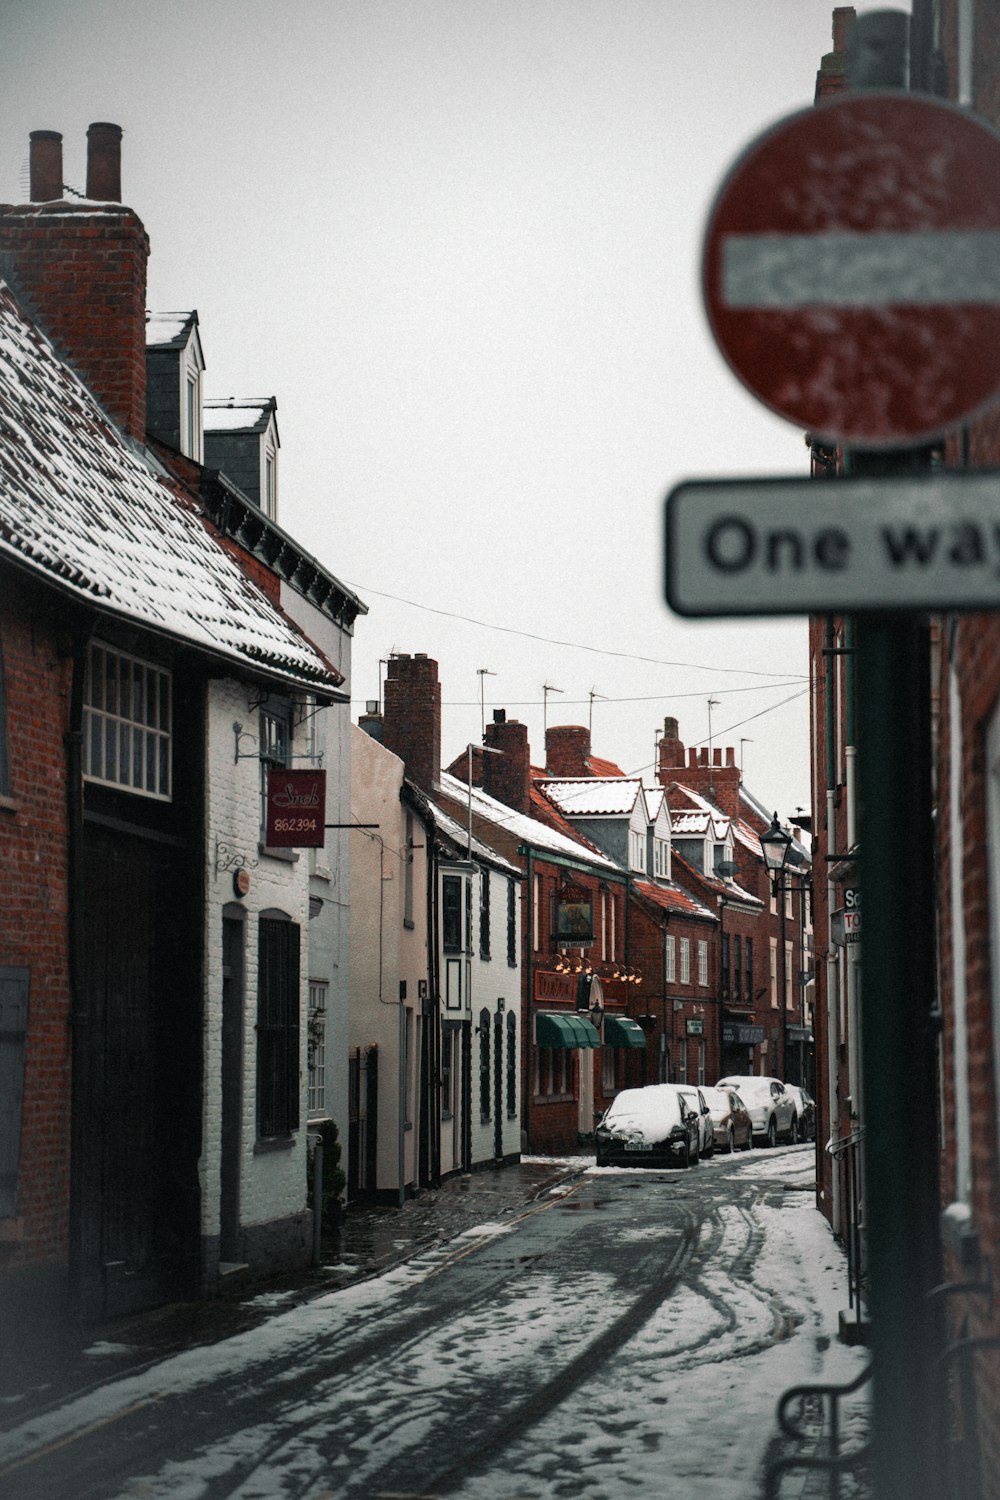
column 82, row 272
column 33, row 919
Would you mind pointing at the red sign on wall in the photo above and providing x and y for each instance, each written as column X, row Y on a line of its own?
column 296, row 809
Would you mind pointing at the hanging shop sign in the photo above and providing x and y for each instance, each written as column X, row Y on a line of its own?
column 296, row 809
column 574, row 915
column 696, row 1028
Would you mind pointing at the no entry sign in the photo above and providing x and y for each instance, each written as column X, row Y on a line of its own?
column 852, row 268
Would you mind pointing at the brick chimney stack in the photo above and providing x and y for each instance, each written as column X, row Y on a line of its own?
column 104, row 162
column 718, row 782
column 567, row 750
column 411, row 718
column 507, row 777
column 81, row 270
column 45, row 165
column 832, row 76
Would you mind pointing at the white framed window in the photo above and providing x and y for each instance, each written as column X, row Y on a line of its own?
column 789, row 991
column 319, row 990
column 671, row 952
column 774, row 972
column 701, row 1061
column 275, row 747
column 127, row 714
column 604, row 926
column 269, row 488
column 637, row 850
column 685, row 960
column 661, row 858
column 702, row 962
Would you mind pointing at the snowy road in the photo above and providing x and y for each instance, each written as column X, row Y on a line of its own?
column 625, row 1335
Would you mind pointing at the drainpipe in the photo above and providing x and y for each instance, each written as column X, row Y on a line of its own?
column 81, row 1099
column 831, row 951
column 851, row 954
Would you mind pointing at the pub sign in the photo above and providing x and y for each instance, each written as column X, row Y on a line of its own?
column 574, row 915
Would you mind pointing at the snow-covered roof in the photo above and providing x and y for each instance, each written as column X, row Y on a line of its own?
column 654, row 800
column 230, row 415
column 169, row 330
column 713, row 818
column 593, row 796
column 84, row 510
column 530, row 830
column 460, row 836
column 672, row 897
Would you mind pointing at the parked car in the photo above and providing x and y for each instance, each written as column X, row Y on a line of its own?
column 652, row 1126
column 731, row 1123
column 772, row 1108
column 696, row 1100
column 805, row 1104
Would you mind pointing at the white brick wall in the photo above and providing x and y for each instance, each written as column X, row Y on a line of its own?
column 273, row 1185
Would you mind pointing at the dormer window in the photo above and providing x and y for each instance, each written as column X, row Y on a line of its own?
column 241, row 440
column 661, row 858
column 637, row 850
column 175, row 366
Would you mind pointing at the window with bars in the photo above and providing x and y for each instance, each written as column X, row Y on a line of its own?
column 277, row 1027
column 318, row 994
column 511, row 924
column 127, row 723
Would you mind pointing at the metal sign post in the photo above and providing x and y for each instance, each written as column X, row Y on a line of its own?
column 851, row 277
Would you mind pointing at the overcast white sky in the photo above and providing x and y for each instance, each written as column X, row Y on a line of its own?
column 459, row 241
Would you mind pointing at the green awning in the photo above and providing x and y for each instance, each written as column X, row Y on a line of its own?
column 565, row 1031
column 622, row 1031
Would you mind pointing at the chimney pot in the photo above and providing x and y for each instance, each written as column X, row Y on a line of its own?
column 104, row 162
column 692, row 755
column 730, row 755
column 499, row 716
column 46, row 165
column 717, row 756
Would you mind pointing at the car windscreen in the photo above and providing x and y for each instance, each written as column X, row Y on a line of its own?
column 647, row 1109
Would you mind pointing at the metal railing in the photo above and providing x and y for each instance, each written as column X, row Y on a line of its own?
column 846, row 1154
column 820, row 1407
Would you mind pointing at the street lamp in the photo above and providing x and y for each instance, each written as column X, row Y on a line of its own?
column 776, row 845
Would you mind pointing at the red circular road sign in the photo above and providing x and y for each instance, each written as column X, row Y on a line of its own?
column 852, row 268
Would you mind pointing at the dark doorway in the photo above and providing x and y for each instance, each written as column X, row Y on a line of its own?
column 233, row 1000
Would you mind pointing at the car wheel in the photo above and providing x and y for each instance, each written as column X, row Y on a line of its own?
column 709, row 1149
column 731, row 1141
column 794, row 1133
column 772, row 1134
column 686, row 1162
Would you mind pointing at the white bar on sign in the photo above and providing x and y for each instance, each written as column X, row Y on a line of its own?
column 876, row 269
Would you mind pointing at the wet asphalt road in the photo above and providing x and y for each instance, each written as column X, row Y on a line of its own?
column 554, row 1355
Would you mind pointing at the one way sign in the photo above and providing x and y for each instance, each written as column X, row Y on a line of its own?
column 802, row 546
